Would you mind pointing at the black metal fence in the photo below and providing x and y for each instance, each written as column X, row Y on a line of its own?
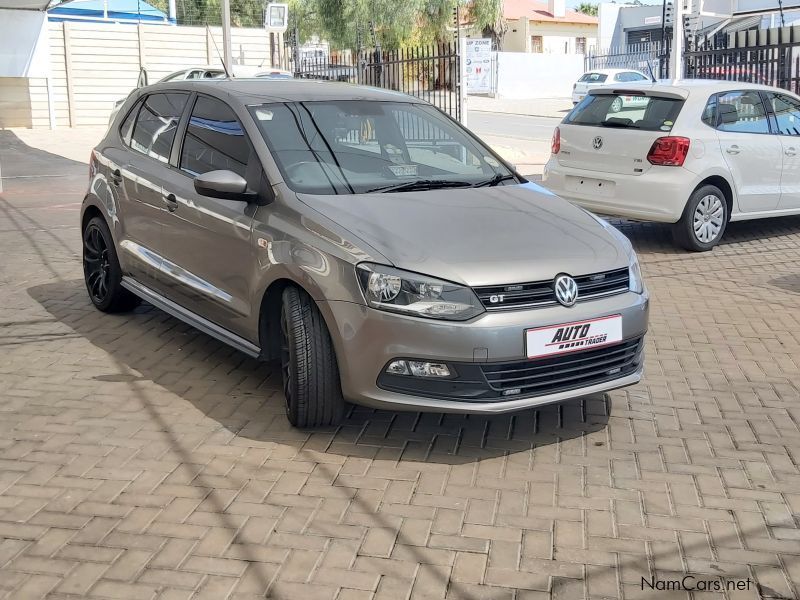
column 428, row 72
column 768, row 56
column 641, row 57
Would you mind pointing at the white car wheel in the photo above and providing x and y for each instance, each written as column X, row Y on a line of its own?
column 704, row 220
column 708, row 218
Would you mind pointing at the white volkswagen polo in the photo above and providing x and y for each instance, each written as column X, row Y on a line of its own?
column 696, row 153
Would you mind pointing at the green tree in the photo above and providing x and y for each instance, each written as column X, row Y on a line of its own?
column 587, row 8
column 487, row 15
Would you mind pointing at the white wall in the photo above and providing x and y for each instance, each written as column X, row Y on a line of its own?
column 23, row 43
column 94, row 64
column 523, row 75
column 608, row 17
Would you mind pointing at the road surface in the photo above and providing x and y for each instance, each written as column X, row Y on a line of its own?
column 512, row 126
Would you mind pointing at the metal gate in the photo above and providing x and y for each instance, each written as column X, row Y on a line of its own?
column 641, row 57
column 428, row 72
column 767, row 56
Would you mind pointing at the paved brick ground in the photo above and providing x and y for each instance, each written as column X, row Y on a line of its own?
column 141, row 459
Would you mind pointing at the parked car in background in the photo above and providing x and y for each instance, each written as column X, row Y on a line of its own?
column 698, row 154
column 209, row 72
column 390, row 259
column 594, row 79
column 274, row 74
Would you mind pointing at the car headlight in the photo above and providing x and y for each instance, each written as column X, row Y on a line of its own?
column 635, row 284
column 387, row 288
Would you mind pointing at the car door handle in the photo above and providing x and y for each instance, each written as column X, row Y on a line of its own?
column 116, row 177
column 734, row 149
column 790, row 152
column 171, row 201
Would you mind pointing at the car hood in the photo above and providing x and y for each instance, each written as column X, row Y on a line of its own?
column 478, row 236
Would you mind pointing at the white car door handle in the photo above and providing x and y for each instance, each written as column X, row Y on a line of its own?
column 734, row 149
column 790, row 152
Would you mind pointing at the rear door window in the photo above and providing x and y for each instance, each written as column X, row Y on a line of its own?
column 629, row 76
column 154, row 130
column 737, row 112
column 646, row 113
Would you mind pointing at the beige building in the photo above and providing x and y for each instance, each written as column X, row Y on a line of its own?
column 547, row 28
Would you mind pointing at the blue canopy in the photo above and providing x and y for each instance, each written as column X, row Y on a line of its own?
column 108, row 10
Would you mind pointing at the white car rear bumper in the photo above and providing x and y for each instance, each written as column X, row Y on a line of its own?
column 658, row 195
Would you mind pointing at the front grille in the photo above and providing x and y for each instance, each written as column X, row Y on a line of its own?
column 569, row 371
column 541, row 293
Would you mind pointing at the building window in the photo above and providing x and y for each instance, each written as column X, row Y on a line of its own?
column 580, row 45
column 537, row 45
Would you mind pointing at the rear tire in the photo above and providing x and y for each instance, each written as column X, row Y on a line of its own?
column 704, row 220
column 311, row 383
column 101, row 271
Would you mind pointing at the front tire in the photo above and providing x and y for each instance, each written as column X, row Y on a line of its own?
column 101, row 271
column 704, row 220
column 311, row 383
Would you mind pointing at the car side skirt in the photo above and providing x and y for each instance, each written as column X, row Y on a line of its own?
column 187, row 316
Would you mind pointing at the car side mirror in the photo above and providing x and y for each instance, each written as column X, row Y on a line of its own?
column 223, row 184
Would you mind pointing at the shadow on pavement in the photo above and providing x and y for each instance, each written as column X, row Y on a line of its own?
column 656, row 238
column 159, row 348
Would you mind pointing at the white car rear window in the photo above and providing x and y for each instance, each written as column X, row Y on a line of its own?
column 626, row 110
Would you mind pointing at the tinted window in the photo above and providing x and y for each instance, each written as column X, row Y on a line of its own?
column 648, row 113
column 156, row 122
column 127, row 125
column 357, row 146
column 594, row 78
column 629, row 76
column 214, row 139
column 787, row 113
column 741, row 112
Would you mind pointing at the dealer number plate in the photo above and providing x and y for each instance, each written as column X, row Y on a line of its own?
column 572, row 337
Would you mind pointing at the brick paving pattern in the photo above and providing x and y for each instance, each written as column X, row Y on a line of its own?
column 142, row 459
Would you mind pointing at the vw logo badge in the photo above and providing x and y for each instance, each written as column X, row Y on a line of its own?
column 597, row 143
column 566, row 290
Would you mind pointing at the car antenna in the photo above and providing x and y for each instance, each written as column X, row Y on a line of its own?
column 650, row 69
column 213, row 41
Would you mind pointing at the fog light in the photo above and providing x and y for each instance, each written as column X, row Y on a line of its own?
column 427, row 369
column 397, row 367
column 418, row 368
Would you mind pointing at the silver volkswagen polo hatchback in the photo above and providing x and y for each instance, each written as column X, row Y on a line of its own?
column 381, row 252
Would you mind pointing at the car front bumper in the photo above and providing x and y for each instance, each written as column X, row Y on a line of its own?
column 366, row 340
column 658, row 195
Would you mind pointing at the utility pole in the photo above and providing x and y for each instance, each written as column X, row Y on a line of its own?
column 676, row 60
column 226, row 37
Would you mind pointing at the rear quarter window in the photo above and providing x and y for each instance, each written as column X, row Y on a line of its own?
column 646, row 113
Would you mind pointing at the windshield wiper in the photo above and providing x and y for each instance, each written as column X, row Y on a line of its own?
column 420, row 184
column 496, row 180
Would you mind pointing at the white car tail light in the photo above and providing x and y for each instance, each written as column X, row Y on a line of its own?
column 669, row 151
column 555, row 146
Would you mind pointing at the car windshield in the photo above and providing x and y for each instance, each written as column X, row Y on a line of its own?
column 626, row 110
column 361, row 146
